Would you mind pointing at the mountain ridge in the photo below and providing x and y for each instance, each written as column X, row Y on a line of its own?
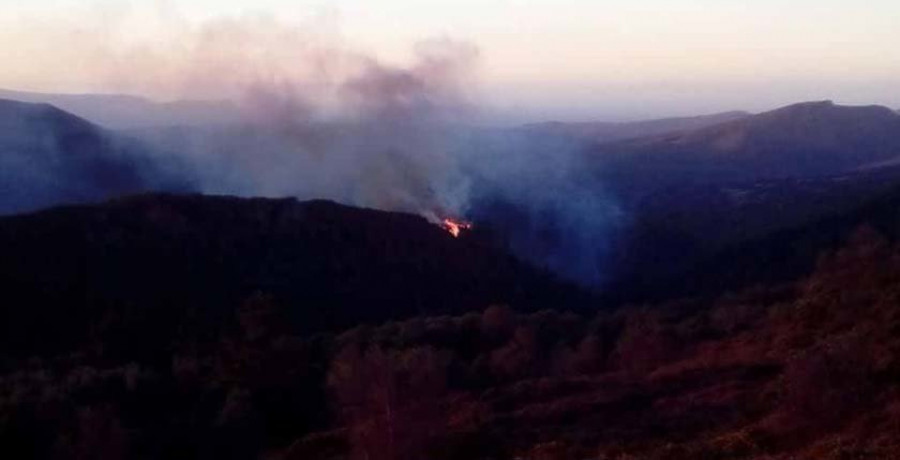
column 49, row 156
column 169, row 258
column 121, row 111
column 619, row 131
column 802, row 140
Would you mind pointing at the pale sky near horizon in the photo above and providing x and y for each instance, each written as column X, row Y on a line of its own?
column 564, row 59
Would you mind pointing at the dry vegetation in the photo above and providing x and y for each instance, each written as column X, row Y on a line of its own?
column 804, row 370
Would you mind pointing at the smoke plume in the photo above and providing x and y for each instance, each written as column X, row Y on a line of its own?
column 322, row 119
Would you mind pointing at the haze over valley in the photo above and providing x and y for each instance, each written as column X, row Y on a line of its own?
column 434, row 230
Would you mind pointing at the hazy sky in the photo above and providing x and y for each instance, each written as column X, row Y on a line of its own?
column 609, row 59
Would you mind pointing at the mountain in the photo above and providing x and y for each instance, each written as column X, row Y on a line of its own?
column 610, row 131
column 184, row 326
column 802, row 140
column 655, row 204
column 674, row 228
column 792, row 252
column 152, row 265
column 806, row 137
column 684, row 196
column 49, row 157
column 690, row 194
column 681, row 253
column 128, row 112
column 805, row 369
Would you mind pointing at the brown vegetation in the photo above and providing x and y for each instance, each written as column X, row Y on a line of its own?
column 806, row 370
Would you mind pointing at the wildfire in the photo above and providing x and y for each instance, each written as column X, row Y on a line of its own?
column 455, row 227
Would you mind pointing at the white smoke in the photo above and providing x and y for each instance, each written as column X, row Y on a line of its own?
column 323, row 119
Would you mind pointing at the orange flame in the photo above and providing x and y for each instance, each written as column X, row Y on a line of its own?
column 455, row 227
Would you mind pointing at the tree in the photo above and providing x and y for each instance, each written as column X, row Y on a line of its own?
column 390, row 401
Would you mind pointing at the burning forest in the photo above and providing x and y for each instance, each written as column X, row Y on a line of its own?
column 456, row 227
column 543, row 230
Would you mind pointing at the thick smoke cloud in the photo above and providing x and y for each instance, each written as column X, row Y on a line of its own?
column 379, row 136
column 542, row 196
column 324, row 120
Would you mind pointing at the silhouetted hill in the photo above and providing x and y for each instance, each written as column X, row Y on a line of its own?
column 688, row 195
column 164, row 326
column 790, row 253
column 801, row 140
column 618, row 131
column 805, row 138
column 142, row 268
column 807, row 370
column 117, row 111
column 674, row 228
column 778, row 256
column 50, row 157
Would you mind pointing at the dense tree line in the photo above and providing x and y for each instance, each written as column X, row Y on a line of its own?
column 809, row 369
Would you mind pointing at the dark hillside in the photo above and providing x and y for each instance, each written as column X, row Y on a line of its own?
column 146, row 267
column 803, row 140
column 50, row 157
column 805, row 370
column 775, row 257
column 610, row 132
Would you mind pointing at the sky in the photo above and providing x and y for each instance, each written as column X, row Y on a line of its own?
column 538, row 59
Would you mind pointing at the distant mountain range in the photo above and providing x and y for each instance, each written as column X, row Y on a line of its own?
column 49, row 157
column 128, row 112
column 178, row 262
column 617, row 131
column 685, row 195
column 713, row 182
column 792, row 252
column 802, row 140
column 173, row 325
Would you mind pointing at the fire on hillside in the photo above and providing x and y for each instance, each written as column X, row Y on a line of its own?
column 455, row 227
